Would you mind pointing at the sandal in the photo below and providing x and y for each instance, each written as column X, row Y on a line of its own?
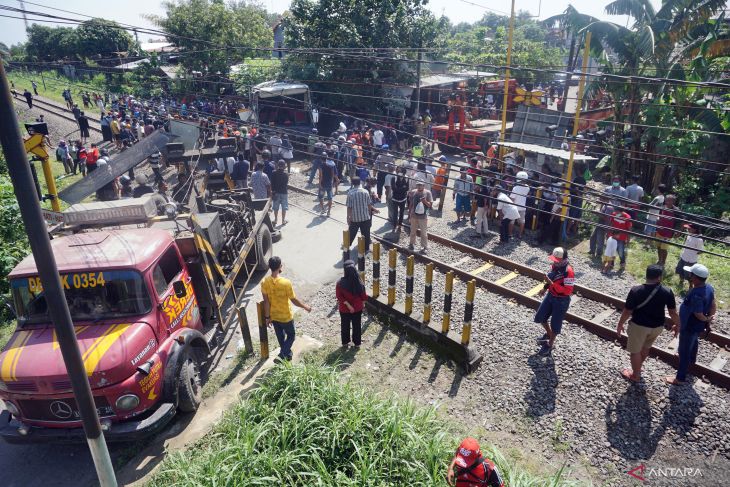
column 628, row 374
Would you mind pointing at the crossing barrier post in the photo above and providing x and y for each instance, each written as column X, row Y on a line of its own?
column 263, row 332
column 345, row 245
column 361, row 257
column 409, row 284
column 376, row 269
column 468, row 312
column 392, row 258
column 427, row 293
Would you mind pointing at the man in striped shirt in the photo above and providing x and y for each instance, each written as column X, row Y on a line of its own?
column 359, row 212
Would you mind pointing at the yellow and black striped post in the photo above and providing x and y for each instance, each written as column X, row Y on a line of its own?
column 376, row 269
column 538, row 197
column 409, row 284
column 361, row 257
column 468, row 312
column 263, row 332
column 427, row 293
column 345, row 246
column 447, row 302
column 392, row 258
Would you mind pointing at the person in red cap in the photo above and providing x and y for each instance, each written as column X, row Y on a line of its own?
column 559, row 287
column 470, row 469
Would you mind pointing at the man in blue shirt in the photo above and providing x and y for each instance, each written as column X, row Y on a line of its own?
column 695, row 315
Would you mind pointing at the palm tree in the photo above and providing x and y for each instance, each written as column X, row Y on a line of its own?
column 572, row 23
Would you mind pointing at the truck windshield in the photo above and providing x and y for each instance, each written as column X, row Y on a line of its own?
column 90, row 296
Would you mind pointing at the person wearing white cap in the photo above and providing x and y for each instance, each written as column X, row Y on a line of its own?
column 419, row 202
column 557, row 291
column 696, row 314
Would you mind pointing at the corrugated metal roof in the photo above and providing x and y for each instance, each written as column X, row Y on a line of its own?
column 441, row 79
column 548, row 151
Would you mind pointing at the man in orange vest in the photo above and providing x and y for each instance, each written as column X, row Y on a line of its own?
column 559, row 287
column 470, row 469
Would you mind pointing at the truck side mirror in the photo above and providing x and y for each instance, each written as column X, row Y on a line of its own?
column 179, row 288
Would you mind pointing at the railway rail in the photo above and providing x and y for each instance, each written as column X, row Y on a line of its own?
column 58, row 111
column 500, row 284
column 714, row 372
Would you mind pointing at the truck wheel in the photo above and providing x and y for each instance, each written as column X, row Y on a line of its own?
column 189, row 387
column 264, row 248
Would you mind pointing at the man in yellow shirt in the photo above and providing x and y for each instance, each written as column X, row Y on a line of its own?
column 278, row 293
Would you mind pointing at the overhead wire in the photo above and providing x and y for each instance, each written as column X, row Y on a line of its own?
column 538, row 172
column 536, row 210
column 635, row 78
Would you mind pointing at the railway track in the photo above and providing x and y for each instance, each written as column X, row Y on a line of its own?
column 58, row 111
column 521, row 284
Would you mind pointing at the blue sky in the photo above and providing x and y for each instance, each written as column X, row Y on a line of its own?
column 132, row 11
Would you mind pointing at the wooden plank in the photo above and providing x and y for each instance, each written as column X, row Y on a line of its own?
column 507, row 278
column 483, row 268
column 672, row 347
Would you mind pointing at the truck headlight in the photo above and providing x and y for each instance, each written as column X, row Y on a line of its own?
column 127, row 402
column 12, row 408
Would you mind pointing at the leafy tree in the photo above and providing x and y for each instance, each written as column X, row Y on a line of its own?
column 254, row 71
column 644, row 49
column 51, row 43
column 212, row 35
column 370, row 25
column 486, row 43
column 101, row 39
column 17, row 51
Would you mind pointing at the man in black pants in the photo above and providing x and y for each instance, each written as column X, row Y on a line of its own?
column 359, row 212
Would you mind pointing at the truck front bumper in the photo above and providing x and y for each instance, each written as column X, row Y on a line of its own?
column 119, row 432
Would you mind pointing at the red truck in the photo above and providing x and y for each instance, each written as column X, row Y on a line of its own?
column 148, row 295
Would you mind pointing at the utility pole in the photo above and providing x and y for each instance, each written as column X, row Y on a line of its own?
column 25, row 17
column 418, row 81
column 40, row 244
column 506, row 82
column 576, row 122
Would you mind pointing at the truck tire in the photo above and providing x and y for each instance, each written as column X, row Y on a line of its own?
column 264, row 248
column 189, row 386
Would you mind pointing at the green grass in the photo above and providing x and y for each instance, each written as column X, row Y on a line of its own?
column 224, row 377
column 639, row 257
column 305, row 426
column 54, row 85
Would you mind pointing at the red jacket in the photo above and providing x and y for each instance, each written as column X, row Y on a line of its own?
column 483, row 474
column 620, row 220
column 563, row 281
column 357, row 302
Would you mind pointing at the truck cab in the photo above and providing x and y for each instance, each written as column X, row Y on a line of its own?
column 147, row 308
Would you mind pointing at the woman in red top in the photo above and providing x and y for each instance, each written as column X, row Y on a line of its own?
column 351, row 299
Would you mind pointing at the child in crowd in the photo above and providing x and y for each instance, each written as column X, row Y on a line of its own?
column 609, row 253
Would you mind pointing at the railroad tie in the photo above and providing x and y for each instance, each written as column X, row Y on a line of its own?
column 506, row 279
column 481, row 269
column 719, row 362
column 603, row 315
column 533, row 292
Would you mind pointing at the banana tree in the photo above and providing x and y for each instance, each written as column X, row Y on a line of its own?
column 644, row 50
